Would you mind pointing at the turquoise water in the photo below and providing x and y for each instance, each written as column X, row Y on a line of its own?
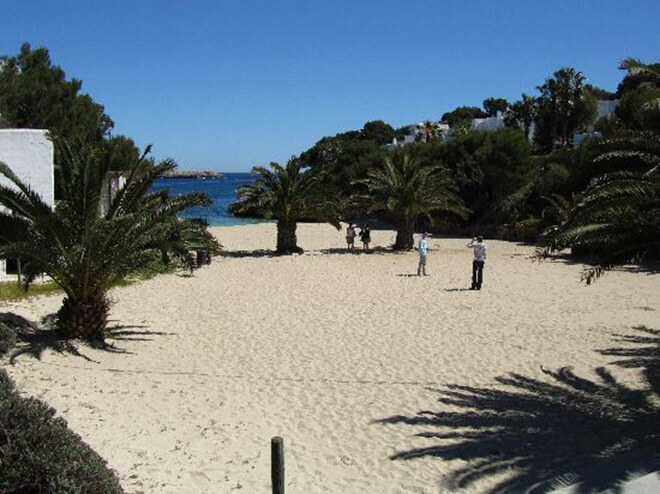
column 222, row 192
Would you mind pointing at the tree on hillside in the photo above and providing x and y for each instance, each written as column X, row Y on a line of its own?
column 378, row 131
column 345, row 158
column 493, row 105
column 462, row 114
column 522, row 114
column 120, row 150
column 409, row 188
column 638, row 73
column 564, row 107
column 34, row 93
column 599, row 92
column 640, row 100
column 639, row 108
column 289, row 194
column 87, row 248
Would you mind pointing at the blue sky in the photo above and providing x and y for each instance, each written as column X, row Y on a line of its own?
column 227, row 85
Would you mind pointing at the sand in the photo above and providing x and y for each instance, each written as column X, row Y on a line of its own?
column 316, row 348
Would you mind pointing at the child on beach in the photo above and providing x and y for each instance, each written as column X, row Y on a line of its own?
column 350, row 236
column 421, row 250
column 365, row 236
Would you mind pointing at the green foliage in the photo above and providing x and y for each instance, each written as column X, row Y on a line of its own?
column 84, row 246
column 638, row 74
column 345, row 158
column 461, row 114
column 487, row 167
column 522, row 114
column 378, row 131
column 34, row 93
column 289, row 194
column 618, row 216
column 409, row 188
column 639, row 109
column 493, row 105
column 40, row 454
column 600, row 93
column 564, row 108
column 12, row 291
column 120, row 152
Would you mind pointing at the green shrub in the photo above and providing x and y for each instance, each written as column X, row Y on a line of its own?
column 7, row 339
column 38, row 453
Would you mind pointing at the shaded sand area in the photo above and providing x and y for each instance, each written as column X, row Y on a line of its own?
column 317, row 348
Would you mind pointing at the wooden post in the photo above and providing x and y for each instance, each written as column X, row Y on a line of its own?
column 18, row 269
column 277, row 464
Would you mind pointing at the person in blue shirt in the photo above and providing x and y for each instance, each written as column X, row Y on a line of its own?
column 421, row 250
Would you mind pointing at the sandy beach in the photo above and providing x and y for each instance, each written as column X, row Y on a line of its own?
column 317, row 348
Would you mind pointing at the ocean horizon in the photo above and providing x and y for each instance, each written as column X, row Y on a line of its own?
column 222, row 192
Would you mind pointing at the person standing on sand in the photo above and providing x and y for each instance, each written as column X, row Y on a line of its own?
column 350, row 236
column 479, row 247
column 365, row 236
column 421, row 250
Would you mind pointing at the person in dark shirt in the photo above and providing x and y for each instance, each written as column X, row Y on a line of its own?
column 365, row 236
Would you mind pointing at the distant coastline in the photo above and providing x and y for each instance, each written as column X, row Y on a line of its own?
column 192, row 174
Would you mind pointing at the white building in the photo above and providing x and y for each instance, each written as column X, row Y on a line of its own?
column 29, row 153
column 489, row 124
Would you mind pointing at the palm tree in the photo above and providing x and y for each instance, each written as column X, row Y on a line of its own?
column 408, row 188
column 288, row 195
column 618, row 216
column 522, row 114
column 86, row 247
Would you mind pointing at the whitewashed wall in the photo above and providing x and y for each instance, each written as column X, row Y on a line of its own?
column 29, row 153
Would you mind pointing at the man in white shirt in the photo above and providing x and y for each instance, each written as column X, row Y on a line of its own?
column 421, row 250
column 479, row 247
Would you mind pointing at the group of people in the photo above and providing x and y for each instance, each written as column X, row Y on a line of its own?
column 365, row 236
column 476, row 244
column 479, row 250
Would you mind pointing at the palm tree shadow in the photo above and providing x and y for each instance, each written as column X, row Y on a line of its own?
column 130, row 333
column 529, row 435
column 645, row 355
column 34, row 339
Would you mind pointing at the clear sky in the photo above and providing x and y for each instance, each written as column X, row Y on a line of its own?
column 226, row 85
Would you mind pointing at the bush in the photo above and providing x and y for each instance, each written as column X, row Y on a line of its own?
column 38, row 453
column 7, row 339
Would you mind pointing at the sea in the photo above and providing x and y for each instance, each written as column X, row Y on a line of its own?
column 221, row 190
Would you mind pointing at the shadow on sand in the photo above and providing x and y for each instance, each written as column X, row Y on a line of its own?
column 33, row 339
column 534, row 435
column 249, row 253
column 360, row 251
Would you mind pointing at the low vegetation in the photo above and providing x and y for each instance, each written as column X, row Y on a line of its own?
column 39, row 453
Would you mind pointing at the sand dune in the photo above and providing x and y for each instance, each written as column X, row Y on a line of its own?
column 316, row 348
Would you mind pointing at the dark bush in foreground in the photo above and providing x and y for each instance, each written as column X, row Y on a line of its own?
column 38, row 453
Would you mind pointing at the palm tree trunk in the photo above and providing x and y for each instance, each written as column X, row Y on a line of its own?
column 83, row 319
column 404, row 235
column 287, row 242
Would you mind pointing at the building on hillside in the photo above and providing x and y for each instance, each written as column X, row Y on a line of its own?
column 489, row 124
column 29, row 153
